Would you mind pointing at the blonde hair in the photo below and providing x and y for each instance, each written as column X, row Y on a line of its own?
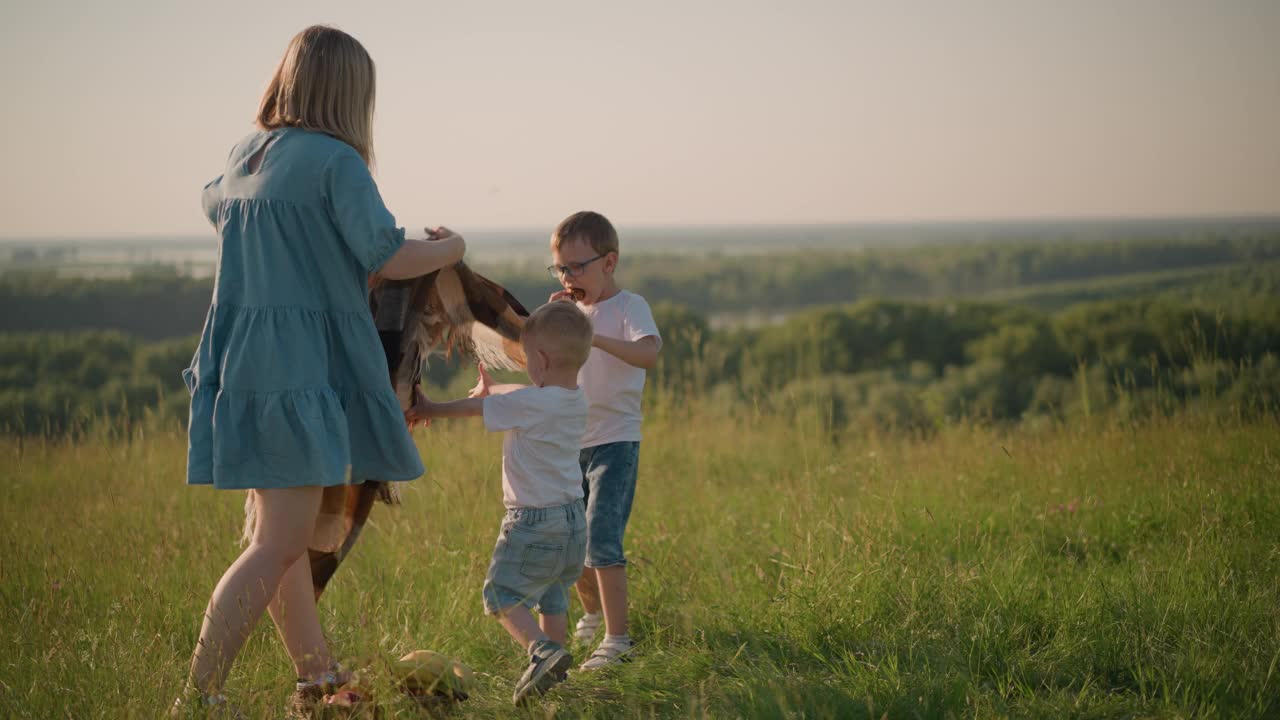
column 563, row 331
column 589, row 227
column 325, row 82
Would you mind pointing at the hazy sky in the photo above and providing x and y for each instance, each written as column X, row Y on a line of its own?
column 494, row 114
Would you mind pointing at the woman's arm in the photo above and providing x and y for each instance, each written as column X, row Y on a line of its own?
column 419, row 257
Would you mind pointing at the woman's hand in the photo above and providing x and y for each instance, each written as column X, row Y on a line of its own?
column 443, row 247
column 442, row 233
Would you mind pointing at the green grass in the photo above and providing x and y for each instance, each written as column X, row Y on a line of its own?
column 1109, row 570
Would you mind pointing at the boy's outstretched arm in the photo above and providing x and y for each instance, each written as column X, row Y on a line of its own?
column 424, row 407
column 485, row 386
column 642, row 353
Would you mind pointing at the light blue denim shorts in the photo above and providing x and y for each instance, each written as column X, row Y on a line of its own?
column 537, row 558
column 609, row 487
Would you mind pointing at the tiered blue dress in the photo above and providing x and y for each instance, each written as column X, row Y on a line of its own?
column 289, row 385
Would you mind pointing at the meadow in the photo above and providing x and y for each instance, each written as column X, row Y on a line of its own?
column 1004, row 478
column 1098, row 568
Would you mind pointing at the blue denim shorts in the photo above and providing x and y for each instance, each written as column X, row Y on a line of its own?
column 537, row 557
column 609, row 487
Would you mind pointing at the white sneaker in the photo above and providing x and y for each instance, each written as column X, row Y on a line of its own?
column 587, row 627
column 608, row 653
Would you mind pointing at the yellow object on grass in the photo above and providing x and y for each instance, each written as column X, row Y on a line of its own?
column 427, row 672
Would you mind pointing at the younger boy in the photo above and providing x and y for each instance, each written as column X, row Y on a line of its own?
column 541, row 546
column 584, row 252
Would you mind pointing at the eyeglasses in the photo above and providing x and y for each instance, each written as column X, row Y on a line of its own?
column 572, row 269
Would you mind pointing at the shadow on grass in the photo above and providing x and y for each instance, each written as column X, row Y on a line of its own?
column 750, row 674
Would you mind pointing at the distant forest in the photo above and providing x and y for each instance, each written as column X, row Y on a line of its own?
column 157, row 303
column 877, row 339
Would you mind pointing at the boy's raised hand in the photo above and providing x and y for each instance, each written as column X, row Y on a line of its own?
column 482, row 384
column 420, row 412
column 561, row 295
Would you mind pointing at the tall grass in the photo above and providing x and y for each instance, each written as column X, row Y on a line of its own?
column 1099, row 569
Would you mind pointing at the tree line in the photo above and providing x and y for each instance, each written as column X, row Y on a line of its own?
column 881, row 363
column 158, row 303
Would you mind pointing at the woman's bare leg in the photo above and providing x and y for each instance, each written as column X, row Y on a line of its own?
column 286, row 517
column 293, row 610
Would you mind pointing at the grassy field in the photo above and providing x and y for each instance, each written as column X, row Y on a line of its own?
column 1108, row 570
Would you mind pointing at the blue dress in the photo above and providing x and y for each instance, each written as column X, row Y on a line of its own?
column 289, row 385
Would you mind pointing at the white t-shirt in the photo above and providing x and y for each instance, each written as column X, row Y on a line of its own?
column 544, row 427
column 613, row 387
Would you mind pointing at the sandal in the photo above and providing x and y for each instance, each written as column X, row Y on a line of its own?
column 203, row 705
column 311, row 695
column 608, row 653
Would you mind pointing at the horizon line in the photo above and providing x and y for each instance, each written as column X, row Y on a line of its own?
column 1271, row 216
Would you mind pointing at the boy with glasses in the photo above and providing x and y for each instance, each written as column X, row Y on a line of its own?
column 584, row 250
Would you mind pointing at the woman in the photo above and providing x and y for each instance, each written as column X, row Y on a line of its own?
column 289, row 389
